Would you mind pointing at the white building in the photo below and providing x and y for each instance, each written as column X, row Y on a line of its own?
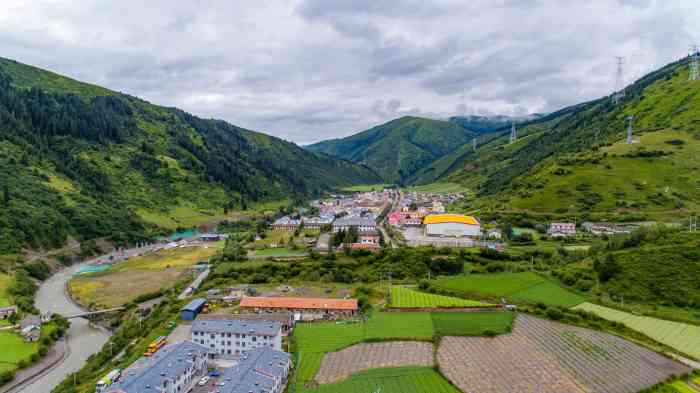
column 174, row 368
column 228, row 338
column 363, row 224
column 562, row 229
column 451, row 225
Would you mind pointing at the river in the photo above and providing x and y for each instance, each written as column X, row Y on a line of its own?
column 83, row 339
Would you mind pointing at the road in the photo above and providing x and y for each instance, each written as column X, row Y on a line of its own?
column 195, row 284
column 388, row 239
column 83, row 339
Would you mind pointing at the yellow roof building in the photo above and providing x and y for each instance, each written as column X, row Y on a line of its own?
column 446, row 218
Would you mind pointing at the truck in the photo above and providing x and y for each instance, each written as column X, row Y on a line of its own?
column 108, row 380
column 155, row 346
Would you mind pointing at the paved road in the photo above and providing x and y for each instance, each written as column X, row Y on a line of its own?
column 385, row 234
column 195, row 284
column 82, row 338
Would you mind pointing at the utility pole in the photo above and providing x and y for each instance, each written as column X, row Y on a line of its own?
column 693, row 224
column 513, row 133
column 597, row 132
column 693, row 64
column 619, row 92
column 630, row 118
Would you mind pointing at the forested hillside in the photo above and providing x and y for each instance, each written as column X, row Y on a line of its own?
column 486, row 124
column 577, row 160
column 79, row 160
column 398, row 149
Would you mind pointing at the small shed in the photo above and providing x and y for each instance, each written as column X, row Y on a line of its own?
column 192, row 309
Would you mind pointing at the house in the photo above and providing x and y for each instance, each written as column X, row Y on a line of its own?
column 363, row 224
column 494, row 233
column 6, row 312
column 260, row 370
column 365, row 246
column 30, row 320
column 303, row 308
column 174, row 368
column 212, row 237
column 227, row 338
column 31, row 333
column 395, row 217
column 558, row 229
column 451, row 225
column 318, row 222
column 192, row 309
column 286, row 223
column 604, row 228
column 285, row 319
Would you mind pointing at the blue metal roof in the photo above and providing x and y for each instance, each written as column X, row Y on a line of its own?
column 265, row 328
column 169, row 362
column 255, row 370
column 195, row 305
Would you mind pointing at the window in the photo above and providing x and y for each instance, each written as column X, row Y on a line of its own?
column 255, row 339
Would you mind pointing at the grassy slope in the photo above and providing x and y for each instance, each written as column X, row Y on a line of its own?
column 5, row 280
column 172, row 188
column 521, row 176
column 525, row 287
column 403, row 297
column 399, row 148
column 390, row 380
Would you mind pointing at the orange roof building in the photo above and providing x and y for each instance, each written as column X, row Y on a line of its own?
column 450, row 218
column 321, row 307
column 451, row 225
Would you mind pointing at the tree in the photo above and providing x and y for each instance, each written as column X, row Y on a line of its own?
column 607, row 268
column 6, row 195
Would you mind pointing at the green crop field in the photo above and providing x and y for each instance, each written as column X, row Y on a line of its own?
column 312, row 340
column 391, row 380
column 14, row 349
column 472, row 324
column 403, row 297
column 279, row 252
column 681, row 336
column 4, row 283
column 525, row 287
column 366, row 187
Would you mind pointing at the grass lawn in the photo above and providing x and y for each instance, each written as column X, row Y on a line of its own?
column 137, row 276
column 403, row 297
column 390, row 380
column 525, row 287
column 683, row 387
column 274, row 236
column 14, row 349
column 279, row 252
column 366, row 187
column 473, row 323
column 312, row 340
column 681, row 336
column 5, row 280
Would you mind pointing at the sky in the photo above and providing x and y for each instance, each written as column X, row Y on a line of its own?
column 309, row 70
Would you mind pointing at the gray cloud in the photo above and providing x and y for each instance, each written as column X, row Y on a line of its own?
column 307, row 70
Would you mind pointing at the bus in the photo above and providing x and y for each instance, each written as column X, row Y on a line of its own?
column 108, row 380
column 155, row 346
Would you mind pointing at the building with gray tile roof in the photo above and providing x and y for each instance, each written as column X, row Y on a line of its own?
column 228, row 338
column 260, row 370
column 174, row 368
column 363, row 224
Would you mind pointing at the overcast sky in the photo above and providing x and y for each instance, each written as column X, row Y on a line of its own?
column 308, row 70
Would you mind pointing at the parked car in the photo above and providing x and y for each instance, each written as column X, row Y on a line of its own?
column 204, row 380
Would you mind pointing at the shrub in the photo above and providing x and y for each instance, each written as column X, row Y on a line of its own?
column 554, row 314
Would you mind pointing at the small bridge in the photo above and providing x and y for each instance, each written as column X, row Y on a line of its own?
column 96, row 312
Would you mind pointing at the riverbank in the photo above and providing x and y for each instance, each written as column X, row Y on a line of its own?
column 56, row 355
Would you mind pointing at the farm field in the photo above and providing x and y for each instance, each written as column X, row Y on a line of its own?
column 14, row 349
column 312, row 340
column 390, row 380
column 524, row 287
column 337, row 366
column 279, row 252
column 680, row 336
column 5, row 280
column 137, row 276
column 402, row 297
column 549, row 357
column 439, row 188
column 366, row 187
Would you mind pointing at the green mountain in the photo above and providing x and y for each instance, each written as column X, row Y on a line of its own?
column 82, row 161
column 398, row 149
column 577, row 161
column 486, row 124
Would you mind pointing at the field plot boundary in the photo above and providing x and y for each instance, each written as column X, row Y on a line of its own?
column 408, row 299
column 677, row 335
column 526, row 287
column 551, row 357
column 340, row 365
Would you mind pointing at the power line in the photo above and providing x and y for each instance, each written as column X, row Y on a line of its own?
column 693, row 64
column 619, row 92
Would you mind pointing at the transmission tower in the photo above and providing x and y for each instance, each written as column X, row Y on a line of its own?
column 513, row 133
column 693, row 224
column 474, row 144
column 694, row 75
column 619, row 93
column 630, row 118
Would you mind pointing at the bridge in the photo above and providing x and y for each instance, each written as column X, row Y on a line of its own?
column 96, row 312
